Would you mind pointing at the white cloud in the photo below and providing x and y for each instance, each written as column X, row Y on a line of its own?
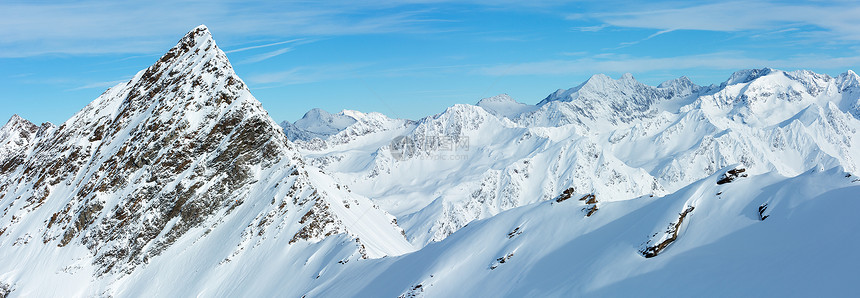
column 264, row 45
column 97, row 27
column 591, row 28
column 307, row 74
column 839, row 20
column 264, row 56
column 100, row 85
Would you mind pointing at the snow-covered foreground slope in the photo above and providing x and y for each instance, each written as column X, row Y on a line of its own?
column 178, row 183
column 805, row 246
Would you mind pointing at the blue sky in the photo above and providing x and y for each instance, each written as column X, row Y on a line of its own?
column 413, row 58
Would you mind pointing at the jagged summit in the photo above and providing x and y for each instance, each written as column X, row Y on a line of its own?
column 16, row 136
column 17, row 126
column 848, row 79
column 603, row 103
column 194, row 78
column 16, row 119
column 747, row 75
column 198, row 35
column 679, row 82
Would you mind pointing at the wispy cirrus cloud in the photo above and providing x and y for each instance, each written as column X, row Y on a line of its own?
column 591, row 28
column 99, row 85
column 242, row 49
column 267, row 55
column 836, row 19
column 308, row 74
column 93, row 27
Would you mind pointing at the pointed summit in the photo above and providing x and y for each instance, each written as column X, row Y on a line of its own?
column 848, row 80
column 193, row 74
column 15, row 137
column 199, row 36
column 19, row 124
column 196, row 46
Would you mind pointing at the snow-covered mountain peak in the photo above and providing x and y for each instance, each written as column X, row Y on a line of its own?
column 595, row 86
column 503, row 105
column 682, row 82
column 627, row 77
column 318, row 123
column 15, row 137
column 603, row 103
column 17, row 125
column 354, row 114
column 847, row 80
column 747, row 75
column 501, row 98
column 16, row 120
column 180, row 148
column 322, row 122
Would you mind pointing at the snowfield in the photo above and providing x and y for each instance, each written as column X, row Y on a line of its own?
column 178, row 183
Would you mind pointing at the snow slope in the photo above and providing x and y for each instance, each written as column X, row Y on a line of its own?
column 804, row 247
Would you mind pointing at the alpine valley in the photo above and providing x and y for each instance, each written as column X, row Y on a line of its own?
column 177, row 183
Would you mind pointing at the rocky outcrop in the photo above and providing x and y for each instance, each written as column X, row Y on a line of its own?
column 653, row 248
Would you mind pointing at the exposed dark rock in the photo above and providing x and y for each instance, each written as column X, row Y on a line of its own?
column 515, row 232
column 731, row 175
column 761, row 210
column 501, row 260
column 5, row 290
column 650, row 251
column 415, row 291
column 590, row 204
column 566, row 194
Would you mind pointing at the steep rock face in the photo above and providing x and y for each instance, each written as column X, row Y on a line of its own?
column 179, row 147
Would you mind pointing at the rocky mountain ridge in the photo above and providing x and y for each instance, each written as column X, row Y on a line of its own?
column 171, row 155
